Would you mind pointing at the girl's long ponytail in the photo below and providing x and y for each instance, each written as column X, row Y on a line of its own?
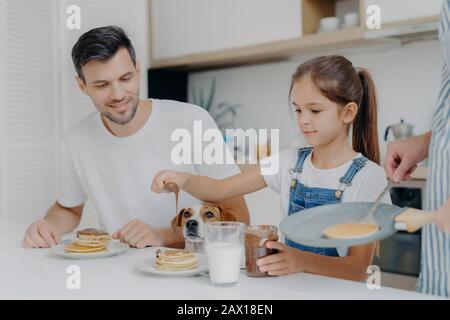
column 365, row 133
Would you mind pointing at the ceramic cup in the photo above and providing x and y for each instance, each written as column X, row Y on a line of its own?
column 328, row 24
column 351, row 19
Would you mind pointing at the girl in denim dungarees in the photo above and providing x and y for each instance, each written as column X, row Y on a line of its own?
column 302, row 197
column 330, row 96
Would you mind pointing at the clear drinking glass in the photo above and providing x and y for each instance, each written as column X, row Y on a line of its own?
column 224, row 246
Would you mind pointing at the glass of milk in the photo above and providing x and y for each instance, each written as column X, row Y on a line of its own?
column 224, row 246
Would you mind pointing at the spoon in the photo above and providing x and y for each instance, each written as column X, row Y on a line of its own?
column 369, row 218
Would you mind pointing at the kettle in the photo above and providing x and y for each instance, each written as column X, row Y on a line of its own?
column 401, row 130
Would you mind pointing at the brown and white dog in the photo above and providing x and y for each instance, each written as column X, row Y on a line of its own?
column 192, row 220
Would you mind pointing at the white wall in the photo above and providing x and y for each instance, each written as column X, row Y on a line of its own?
column 3, row 120
column 28, row 107
column 39, row 98
column 407, row 78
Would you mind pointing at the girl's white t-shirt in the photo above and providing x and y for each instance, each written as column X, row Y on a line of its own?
column 366, row 185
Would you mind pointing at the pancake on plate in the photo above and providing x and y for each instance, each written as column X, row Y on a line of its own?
column 89, row 240
column 350, row 230
column 72, row 247
column 175, row 260
column 92, row 237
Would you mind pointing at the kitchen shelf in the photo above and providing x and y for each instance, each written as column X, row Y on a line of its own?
column 311, row 12
column 310, row 42
column 267, row 52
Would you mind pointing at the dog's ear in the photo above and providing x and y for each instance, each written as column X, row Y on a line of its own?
column 176, row 221
column 226, row 215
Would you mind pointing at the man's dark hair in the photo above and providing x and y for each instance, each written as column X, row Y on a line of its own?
column 100, row 44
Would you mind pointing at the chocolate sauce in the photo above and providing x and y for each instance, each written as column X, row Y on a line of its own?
column 173, row 187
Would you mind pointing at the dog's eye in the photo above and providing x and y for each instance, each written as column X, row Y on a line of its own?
column 186, row 214
column 209, row 214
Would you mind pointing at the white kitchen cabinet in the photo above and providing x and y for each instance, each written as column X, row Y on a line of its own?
column 202, row 34
column 396, row 11
column 210, row 33
column 187, row 27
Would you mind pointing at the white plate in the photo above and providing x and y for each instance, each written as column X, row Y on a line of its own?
column 148, row 265
column 113, row 248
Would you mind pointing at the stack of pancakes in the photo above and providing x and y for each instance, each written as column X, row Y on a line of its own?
column 175, row 260
column 89, row 240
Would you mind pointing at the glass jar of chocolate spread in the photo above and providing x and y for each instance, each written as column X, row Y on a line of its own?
column 255, row 241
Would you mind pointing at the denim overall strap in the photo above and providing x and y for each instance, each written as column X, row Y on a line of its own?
column 302, row 154
column 346, row 180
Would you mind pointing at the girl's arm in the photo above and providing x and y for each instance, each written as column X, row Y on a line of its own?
column 291, row 260
column 211, row 190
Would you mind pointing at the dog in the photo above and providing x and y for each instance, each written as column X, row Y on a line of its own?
column 191, row 221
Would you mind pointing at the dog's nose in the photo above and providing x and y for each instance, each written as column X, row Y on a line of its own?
column 192, row 224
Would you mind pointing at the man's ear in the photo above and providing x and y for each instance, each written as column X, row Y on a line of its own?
column 81, row 84
column 138, row 66
column 176, row 221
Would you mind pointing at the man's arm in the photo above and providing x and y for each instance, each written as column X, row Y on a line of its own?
column 46, row 232
column 64, row 219
column 237, row 207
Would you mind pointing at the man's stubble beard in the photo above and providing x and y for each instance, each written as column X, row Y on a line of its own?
column 110, row 117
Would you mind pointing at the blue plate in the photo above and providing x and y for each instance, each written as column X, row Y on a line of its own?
column 306, row 226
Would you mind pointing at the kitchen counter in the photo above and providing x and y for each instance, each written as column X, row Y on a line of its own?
column 39, row 274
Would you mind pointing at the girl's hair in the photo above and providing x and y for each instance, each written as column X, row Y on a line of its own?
column 340, row 82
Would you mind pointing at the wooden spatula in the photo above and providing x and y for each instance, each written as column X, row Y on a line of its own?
column 412, row 219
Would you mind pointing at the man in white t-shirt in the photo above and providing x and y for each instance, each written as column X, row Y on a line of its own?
column 111, row 156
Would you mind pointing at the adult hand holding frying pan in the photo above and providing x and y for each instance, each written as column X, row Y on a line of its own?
column 401, row 160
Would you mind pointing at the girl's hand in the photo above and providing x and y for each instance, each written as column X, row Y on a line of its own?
column 442, row 217
column 162, row 177
column 287, row 261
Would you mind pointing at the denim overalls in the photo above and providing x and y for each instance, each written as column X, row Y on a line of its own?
column 302, row 197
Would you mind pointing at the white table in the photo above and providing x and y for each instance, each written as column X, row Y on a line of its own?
column 39, row 274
